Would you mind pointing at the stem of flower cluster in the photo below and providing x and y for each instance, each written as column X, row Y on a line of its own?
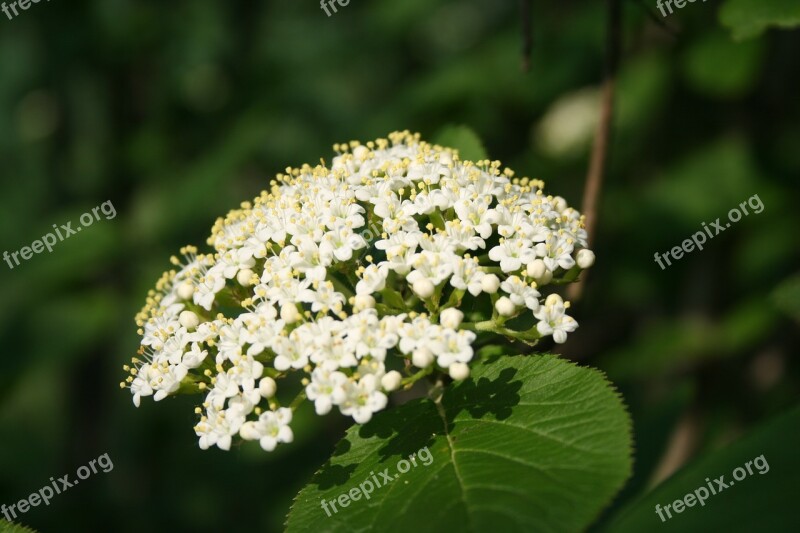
column 298, row 400
column 409, row 381
column 529, row 337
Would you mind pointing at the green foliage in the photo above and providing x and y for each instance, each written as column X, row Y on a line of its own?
column 749, row 18
column 787, row 297
column 667, row 348
column 758, row 502
column 8, row 527
column 702, row 60
column 526, row 444
column 464, row 140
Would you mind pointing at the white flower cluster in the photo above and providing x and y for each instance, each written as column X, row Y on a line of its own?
column 295, row 285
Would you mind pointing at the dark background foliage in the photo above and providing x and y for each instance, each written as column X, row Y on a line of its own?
column 178, row 111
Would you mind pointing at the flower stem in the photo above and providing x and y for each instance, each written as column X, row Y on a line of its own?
column 409, row 381
column 298, row 400
column 530, row 336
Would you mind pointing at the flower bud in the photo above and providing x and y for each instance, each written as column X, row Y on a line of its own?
column 536, row 269
column 189, row 319
column 289, row 313
column 245, row 277
column 422, row 358
column 505, row 307
column 490, row 283
column 248, row 431
column 391, row 381
column 267, row 387
column 360, row 152
column 553, row 299
column 451, row 318
column 363, row 301
column 423, row 288
column 585, row 258
column 185, row 290
column 459, row 371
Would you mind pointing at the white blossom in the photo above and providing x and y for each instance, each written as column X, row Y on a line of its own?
column 393, row 256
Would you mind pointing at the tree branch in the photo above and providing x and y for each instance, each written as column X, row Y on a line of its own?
column 527, row 39
column 599, row 156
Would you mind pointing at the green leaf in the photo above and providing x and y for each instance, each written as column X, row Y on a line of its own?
column 787, row 297
column 526, row 444
column 672, row 346
column 742, row 65
column 756, row 502
column 8, row 527
column 749, row 18
column 464, row 140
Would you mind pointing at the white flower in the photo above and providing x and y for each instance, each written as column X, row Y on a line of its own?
column 194, row 357
column 207, row 288
column 432, row 266
column 333, row 275
column 556, row 252
column 140, row 385
column 231, row 262
column 326, row 298
column 452, row 346
column 362, row 399
column 169, row 381
column 415, row 334
column 477, row 215
column 289, row 353
column 553, row 320
column 225, row 386
column 326, row 389
column 218, row 427
column 520, row 293
column 343, row 242
column 467, row 275
column 232, row 339
column 373, row 279
column 271, row 428
column 311, row 258
column 462, row 236
column 512, row 254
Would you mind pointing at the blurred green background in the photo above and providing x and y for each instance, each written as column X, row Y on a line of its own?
column 177, row 112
